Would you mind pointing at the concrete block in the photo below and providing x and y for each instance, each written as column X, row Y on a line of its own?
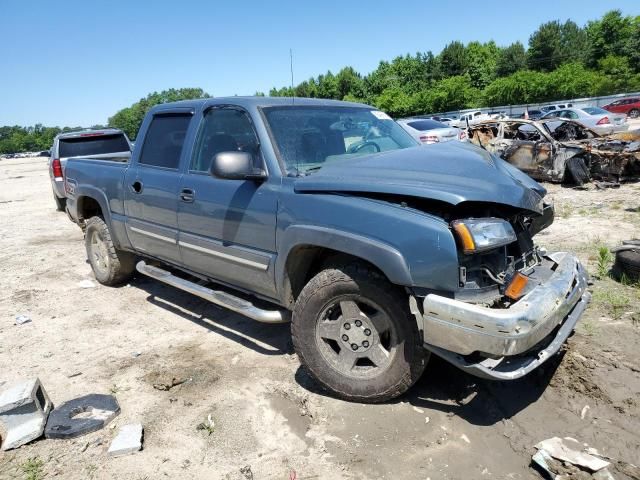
column 81, row 415
column 24, row 409
column 128, row 440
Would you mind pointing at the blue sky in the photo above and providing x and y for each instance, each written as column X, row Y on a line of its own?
column 77, row 62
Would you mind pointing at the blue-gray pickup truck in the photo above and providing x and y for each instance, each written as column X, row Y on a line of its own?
column 328, row 214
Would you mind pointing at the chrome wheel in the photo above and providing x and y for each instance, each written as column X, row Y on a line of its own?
column 356, row 337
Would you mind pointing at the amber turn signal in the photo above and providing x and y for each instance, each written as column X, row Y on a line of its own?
column 515, row 288
column 468, row 245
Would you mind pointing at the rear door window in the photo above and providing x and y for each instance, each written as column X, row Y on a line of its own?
column 92, row 144
column 163, row 142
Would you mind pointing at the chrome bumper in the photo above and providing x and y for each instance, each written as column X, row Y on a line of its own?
column 453, row 328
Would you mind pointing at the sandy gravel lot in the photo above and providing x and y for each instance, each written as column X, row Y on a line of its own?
column 269, row 416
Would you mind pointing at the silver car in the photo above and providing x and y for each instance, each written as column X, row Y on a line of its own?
column 429, row 131
column 596, row 118
column 106, row 143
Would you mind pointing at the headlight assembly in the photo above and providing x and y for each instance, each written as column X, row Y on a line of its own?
column 481, row 234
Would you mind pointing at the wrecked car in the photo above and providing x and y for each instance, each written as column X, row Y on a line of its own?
column 561, row 150
column 328, row 214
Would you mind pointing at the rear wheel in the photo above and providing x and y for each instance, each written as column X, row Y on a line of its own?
column 110, row 266
column 354, row 333
column 61, row 203
column 634, row 113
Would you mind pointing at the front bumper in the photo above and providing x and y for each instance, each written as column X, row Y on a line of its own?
column 513, row 341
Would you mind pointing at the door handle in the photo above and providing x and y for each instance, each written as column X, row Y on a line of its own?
column 136, row 187
column 187, row 195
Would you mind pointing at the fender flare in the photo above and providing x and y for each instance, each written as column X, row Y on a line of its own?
column 385, row 257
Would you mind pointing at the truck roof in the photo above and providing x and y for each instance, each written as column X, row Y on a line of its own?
column 249, row 102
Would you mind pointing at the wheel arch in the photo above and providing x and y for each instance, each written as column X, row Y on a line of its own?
column 304, row 250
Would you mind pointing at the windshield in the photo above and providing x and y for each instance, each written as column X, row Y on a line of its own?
column 92, row 144
column 308, row 137
column 594, row 110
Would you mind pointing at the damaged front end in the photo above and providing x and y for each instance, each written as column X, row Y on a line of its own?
column 515, row 307
column 560, row 150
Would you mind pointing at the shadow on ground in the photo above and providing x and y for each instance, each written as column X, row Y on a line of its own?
column 442, row 387
column 266, row 339
column 480, row 402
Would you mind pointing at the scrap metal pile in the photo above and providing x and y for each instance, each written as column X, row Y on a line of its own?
column 560, row 150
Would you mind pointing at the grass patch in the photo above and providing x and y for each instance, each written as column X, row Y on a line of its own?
column 32, row 469
column 604, row 259
column 564, row 210
column 612, row 301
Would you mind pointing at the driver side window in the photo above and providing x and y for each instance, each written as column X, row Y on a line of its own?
column 223, row 130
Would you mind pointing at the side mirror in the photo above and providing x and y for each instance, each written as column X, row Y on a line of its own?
column 235, row 166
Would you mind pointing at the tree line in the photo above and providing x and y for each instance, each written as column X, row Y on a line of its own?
column 561, row 60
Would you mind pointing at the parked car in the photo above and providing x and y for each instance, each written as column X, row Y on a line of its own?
column 628, row 106
column 597, row 119
column 561, row 150
column 551, row 108
column 103, row 144
column 470, row 119
column 329, row 214
column 430, row 131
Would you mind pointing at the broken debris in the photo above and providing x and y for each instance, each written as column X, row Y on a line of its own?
column 81, row 416
column 23, row 412
column 128, row 440
column 22, row 319
column 564, row 458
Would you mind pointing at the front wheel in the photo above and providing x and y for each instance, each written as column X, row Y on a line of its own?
column 110, row 266
column 634, row 113
column 354, row 333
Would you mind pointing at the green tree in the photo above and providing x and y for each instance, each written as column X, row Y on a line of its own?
column 453, row 60
column 130, row 118
column 613, row 34
column 481, row 61
column 511, row 59
column 545, row 47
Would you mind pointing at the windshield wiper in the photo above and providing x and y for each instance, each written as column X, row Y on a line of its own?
column 313, row 169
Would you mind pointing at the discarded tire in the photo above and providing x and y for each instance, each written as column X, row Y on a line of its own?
column 576, row 171
column 81, row 416
column 627, row 262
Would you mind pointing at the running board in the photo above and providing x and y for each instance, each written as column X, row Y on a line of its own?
column 224, row 299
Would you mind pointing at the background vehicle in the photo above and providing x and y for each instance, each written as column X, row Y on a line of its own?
column 628, row 106
column 552, row 108
column 430, row 131
column 470, row 118
column 560, row 150
column 597, row 119
column 107, row 143
column 328, row 213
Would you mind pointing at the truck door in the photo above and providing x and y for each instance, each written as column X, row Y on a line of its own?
column 151, row 186
column 228, row 227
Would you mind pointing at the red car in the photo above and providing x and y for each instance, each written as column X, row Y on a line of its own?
column 630, row 106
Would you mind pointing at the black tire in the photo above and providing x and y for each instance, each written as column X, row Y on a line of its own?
column 634, row 113
column 110, row 266
column 576, row 171
column 628, row 264
column 366, row 380
column 61, row 203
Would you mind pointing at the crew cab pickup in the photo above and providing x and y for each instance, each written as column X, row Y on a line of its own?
column 329, row 215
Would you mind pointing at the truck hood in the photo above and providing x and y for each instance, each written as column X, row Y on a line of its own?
column 451, row 172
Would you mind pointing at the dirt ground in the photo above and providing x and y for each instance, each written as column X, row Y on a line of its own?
column 269, row 415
